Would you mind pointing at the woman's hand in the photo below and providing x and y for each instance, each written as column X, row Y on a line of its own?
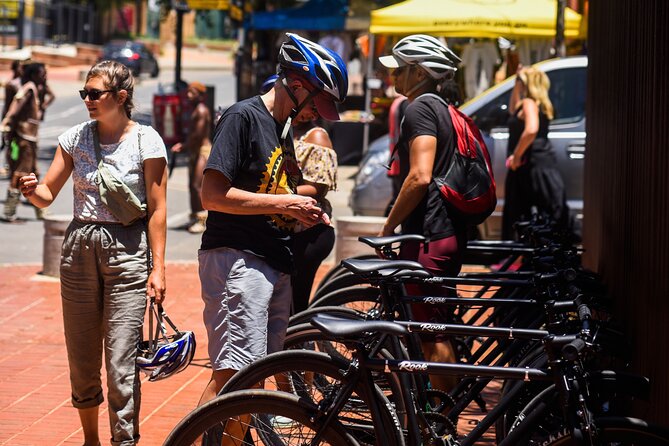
column 386, row 231
column 155, row 285
column 28, row 184
column 513, row 162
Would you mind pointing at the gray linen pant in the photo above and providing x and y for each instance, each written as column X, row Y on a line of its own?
column 103, row 274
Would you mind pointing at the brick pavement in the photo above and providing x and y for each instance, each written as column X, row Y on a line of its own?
column 35, row 406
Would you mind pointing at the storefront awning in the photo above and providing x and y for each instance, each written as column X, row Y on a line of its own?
column 475, row 18
column 314, row 15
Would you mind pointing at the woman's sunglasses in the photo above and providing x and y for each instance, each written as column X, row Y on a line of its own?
column 93, row 94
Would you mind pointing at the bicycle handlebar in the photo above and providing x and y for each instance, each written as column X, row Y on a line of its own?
column 572, row 350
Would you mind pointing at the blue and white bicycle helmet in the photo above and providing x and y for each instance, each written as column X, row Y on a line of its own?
column 164, row 355
column 321, row 67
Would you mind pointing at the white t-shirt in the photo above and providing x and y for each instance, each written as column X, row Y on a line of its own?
column 124, row 159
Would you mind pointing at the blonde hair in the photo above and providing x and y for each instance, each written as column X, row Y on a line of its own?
column 537, row 84
column 116, row 76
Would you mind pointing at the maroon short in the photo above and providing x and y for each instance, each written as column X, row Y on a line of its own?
column 441, row 257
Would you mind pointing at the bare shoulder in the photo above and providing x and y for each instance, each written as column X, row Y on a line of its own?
column 319, row 136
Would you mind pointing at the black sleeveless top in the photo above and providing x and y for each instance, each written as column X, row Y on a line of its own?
column 540, row 152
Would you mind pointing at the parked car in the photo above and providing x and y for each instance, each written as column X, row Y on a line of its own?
column 134, row 55
column 372, row 191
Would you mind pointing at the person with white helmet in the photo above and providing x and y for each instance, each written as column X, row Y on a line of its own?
column 426, row 144
column 250, row 190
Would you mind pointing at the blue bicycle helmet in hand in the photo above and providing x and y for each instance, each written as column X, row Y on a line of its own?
column 164, row 355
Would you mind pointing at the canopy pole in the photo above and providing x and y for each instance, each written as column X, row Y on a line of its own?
column 368, row 93
column 560, row 50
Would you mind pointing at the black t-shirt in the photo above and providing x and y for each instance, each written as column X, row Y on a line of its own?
column 247, row 150
column 429, row 116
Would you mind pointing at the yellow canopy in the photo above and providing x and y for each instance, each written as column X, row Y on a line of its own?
column 474, row 18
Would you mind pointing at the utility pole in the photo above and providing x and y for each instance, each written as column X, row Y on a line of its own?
column 20, row 22
column 180, row 7
column 560, row 50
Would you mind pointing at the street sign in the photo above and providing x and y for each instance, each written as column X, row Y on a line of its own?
column 9, row 9
column 209, row 4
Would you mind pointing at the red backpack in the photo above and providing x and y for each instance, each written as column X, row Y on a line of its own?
column 468, row 186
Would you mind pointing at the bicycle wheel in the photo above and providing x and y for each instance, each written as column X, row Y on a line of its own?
column 344, row 280
column 315, row 377
column 363, row 299
column 618, row 432
column 339, row 270
column 250, row 417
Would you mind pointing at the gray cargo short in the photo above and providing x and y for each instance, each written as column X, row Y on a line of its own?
column 246, row 306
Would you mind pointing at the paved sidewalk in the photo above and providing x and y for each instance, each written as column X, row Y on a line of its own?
column 191, row 59
column 35, row 406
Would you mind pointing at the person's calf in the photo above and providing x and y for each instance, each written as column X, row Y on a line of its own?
column 215, row 384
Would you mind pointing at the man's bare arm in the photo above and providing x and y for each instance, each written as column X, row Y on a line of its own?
column 218, row 194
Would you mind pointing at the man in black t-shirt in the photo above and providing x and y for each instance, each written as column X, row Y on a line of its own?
column 250, row 190
column 426, row 145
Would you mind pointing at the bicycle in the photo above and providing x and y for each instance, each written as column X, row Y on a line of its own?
column 387, row 429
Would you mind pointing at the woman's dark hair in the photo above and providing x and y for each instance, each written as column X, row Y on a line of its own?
column 449, row 90
column 116, row 77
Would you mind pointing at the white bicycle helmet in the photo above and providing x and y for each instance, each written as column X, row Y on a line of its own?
column 428, row 52
column 164, row 355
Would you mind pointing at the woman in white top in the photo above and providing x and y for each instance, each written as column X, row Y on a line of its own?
column 108, row 269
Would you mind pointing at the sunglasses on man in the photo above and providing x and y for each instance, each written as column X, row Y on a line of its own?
column 93, row 94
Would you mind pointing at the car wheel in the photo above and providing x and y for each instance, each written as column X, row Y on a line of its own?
column 156, row 71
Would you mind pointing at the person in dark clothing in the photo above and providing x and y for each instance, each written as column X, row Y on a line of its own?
column 532, row 179
column 426, row 144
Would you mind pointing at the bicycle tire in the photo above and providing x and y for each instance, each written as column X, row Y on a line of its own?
column 307, row 337
column 313, row 376
column 262, row 408
column 337, row 270
column 339, row 282
column 364, row 299
column 619, row 431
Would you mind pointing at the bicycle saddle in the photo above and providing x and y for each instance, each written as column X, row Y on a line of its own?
column 339, row 327
column 380, row 242
column 376, row 266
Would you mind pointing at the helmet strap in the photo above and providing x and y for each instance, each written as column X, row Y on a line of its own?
column 416, row 87
column 156, row 310
column 298, row 106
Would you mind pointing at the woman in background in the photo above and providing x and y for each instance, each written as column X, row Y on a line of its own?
column 318, row 163
column 533, row 179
